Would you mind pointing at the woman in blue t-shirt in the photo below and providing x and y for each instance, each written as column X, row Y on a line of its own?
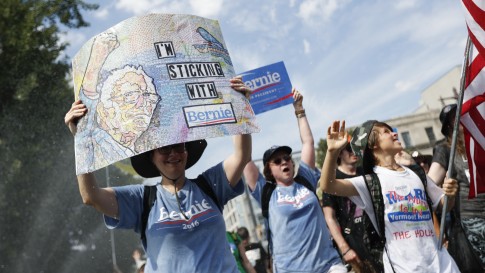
column 185, row 230
column 299, row 237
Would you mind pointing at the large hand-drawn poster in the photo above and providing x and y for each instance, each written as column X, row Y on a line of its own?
column 152, row 81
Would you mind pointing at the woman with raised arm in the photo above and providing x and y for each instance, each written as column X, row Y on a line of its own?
column 185, row 230
column 410, row 244
column 299, row 238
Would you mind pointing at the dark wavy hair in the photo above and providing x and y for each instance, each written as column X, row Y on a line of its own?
column 369, row 161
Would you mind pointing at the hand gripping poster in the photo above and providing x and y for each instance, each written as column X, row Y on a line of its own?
column 152, row 81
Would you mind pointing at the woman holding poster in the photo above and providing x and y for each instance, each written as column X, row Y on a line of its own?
column 181, row 223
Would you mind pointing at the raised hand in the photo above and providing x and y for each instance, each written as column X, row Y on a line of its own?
column 298, row 99
column 336, row 136
column 78, row 110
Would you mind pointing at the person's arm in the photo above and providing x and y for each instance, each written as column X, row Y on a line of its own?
column 306, row 136
column 251, row 174
column 244, row 259
column 102, row 199
column 437, row 173
column 336, row 141
column 235, row 163
column 348, row 254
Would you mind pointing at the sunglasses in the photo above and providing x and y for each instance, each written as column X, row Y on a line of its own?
column 280, row 159
column 176, row 148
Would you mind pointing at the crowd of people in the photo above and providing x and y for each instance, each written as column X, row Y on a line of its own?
column 375, row 214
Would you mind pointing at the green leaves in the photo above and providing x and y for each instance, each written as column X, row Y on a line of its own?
column 40, row 205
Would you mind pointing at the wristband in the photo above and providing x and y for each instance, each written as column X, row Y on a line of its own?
column 301, row 115
column 343, row 254
column 299, row 112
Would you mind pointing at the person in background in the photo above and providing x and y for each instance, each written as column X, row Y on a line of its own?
column 410, row 244
column 346, row 221
column 255, row 252
column 185, row 231
column 422, row 160
column 237, row 249
column 298, row 235
column 466, row 229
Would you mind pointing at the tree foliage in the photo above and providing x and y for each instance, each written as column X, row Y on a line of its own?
column 321, row 152
column 44, row 227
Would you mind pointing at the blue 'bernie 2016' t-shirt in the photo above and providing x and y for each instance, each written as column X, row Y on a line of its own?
column 300, row 238
column 175, row 244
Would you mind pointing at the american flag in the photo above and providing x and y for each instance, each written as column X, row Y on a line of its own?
column 473, row 108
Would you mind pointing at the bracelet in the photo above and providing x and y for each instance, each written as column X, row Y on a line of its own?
column 301, row 115
column 343, row 254
column 298, row 112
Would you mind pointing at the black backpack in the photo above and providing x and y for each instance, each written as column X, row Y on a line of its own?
column 150, row 195
column 377, row 243
column 268, row 189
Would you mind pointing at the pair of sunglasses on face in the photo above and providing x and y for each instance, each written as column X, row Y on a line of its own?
column 279, row 160
column 176, row 148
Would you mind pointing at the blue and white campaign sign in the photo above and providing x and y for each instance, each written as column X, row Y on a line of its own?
column 270, row 85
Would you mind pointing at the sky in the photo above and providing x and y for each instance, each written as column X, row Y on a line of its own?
column 351, row 59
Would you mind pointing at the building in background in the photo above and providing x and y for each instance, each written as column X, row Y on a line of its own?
column 420, row 130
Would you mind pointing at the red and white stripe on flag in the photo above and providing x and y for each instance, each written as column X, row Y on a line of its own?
column 473, row 108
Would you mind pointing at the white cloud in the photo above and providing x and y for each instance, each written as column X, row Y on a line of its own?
column 403, row 86
column 140, row 7
column 306, row 46
column 75, row 39
column 206, row 8
column 102, row 13
column 312, row 11
column 404, row 4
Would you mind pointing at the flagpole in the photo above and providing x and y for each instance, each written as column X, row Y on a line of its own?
column 455, row 135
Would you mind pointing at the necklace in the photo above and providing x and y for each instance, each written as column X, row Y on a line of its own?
column 392, row 168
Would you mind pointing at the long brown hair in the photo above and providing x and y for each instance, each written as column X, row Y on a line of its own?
column 460, row 144
column 369, row 161
column 268, row 175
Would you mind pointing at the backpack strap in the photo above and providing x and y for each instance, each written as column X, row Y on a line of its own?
column 202, row 183
column 150, row 195
column 303, row 181
column 347, row 217
column 375, row 190
column 268, row 189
